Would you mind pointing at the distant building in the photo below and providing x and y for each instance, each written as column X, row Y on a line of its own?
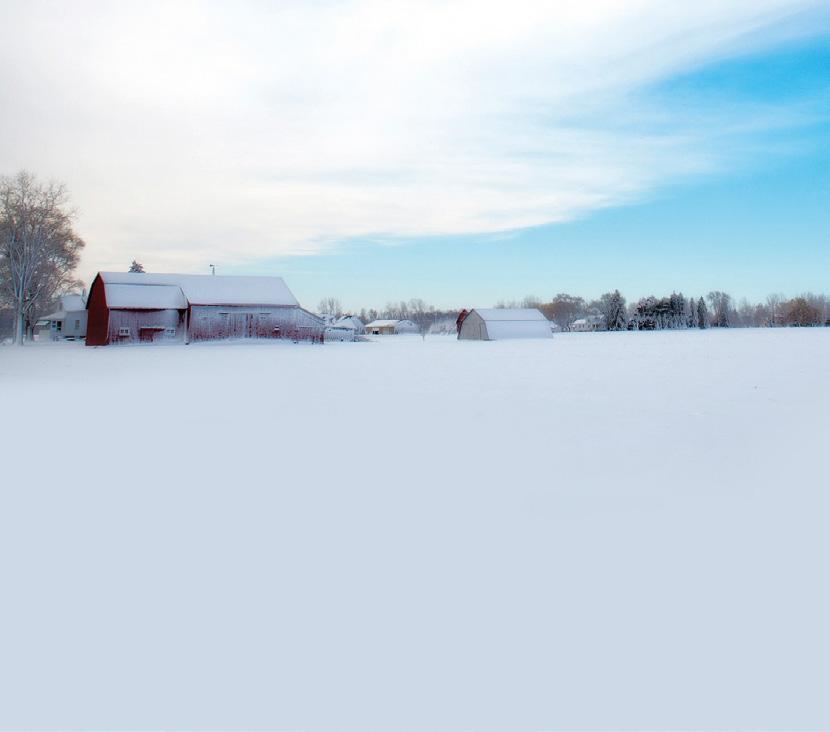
column 126, row 307
column 588, row 323
column 351, row 321
column 338, row 333
column 68, row 322
column 391, row 327
column 493, row 324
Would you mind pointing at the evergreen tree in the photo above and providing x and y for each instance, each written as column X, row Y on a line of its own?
column 136, row 267
column 612, row 307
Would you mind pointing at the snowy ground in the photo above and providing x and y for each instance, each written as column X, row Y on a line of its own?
column 599, row 531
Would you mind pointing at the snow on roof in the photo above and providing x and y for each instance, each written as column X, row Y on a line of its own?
column 496, row 314
column 146, row 297
column 350, row 321
column 383, row 323
column 71, row 303
column 68, row 304
column 205, row 289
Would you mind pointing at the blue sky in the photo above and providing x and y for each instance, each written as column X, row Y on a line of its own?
column 757, row 226
column 463, row 152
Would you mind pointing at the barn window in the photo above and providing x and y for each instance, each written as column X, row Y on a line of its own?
column 77, row 325
column 123, row 331
column 169, row 332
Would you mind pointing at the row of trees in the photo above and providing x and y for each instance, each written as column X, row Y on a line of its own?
column 39, row 249
column 611, row 311
column 717, row 310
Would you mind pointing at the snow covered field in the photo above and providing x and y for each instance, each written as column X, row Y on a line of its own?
column 615, row 530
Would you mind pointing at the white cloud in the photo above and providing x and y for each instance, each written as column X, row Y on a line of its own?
column 196, row 132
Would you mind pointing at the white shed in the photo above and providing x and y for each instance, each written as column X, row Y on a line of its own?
column 337, row 332
column 494, row 324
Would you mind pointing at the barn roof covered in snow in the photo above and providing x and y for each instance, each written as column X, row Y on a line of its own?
column 176, row 291
column 493, row 314
column 146, row 297
column 498, row 323
column 383, row 323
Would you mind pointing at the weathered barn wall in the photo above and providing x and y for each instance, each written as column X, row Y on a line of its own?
column 473, row 328
column 146, row 326
column 216, row 322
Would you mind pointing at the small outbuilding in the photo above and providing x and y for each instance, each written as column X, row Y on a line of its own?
column 68, row 322
column 494, row 324
column 136, row 307
column 338, row 333
column 351, row 321
column 391, row 327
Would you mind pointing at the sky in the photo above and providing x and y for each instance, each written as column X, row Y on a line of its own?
column 459, row 152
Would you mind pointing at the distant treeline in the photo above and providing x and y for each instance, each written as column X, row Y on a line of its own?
column 612, row 312
column 716, row 310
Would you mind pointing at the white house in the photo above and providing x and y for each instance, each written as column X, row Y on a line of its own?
column 391, row 327
column 588, row 323
column 68, row 322
column 493, row 324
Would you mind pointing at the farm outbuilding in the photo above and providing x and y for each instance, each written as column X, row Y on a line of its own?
column 493, row 324
column 135, row 307
column 351, row 321
column 391, row 327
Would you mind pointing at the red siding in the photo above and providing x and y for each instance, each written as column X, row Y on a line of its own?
column 98, row 321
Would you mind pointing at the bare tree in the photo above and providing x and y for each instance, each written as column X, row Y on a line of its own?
column 774, row 302
column 330, row 306
column 422, row 315
column 721, row 304
column 39, row 249
column 801, row 312
column 564, row 309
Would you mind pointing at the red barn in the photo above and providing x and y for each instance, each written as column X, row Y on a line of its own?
column 136, row 307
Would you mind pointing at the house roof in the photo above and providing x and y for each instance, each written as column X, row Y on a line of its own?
column 383, row 323
column 349, row 321
column 68, row 304
column 161, row 291
column 71, row 303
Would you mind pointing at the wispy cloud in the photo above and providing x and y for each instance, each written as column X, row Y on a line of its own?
column 216, row 132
